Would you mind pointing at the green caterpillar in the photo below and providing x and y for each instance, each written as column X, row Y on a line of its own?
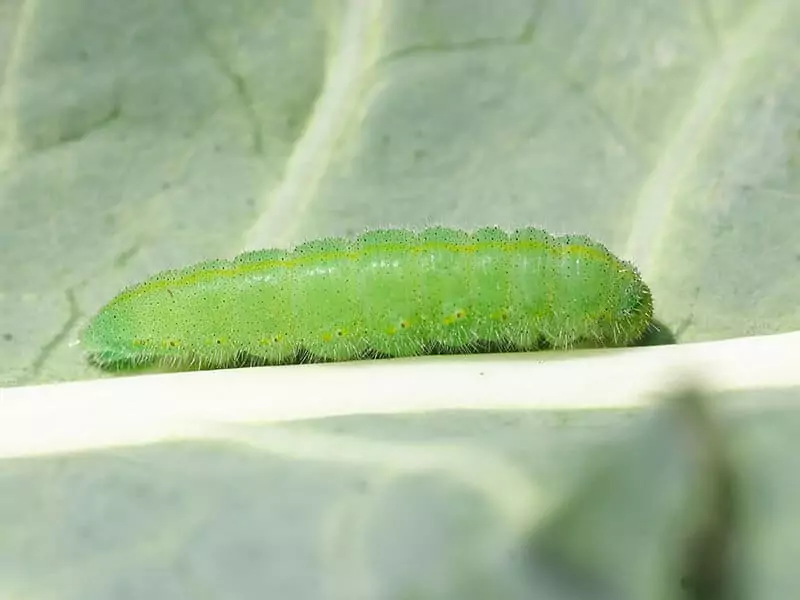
column 388, row 293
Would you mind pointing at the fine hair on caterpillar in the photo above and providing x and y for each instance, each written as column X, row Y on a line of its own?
column 384, row 293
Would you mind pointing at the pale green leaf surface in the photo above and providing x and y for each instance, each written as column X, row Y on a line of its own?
column 146, row 135
column 764, row 447
column 137, row 136
column 507, row 486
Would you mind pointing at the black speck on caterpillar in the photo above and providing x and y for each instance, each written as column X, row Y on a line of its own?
column 390, row 293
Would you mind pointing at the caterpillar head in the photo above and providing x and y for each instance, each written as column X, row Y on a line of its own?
column 634, row 310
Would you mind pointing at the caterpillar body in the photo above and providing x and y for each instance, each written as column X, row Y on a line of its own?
column 390, row 292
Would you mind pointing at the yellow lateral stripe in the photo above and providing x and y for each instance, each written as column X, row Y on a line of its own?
column 191, row 276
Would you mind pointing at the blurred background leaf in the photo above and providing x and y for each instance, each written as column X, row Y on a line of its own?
column 138, row 136
column 692, row 499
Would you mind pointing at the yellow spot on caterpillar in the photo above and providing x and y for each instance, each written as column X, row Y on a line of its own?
column 337, row 334
column 456, row 316
column 501, row 315
column 395, row 329
column 267, row 341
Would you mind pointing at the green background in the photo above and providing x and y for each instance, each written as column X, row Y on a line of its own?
column 138, row 136
column 142, row 135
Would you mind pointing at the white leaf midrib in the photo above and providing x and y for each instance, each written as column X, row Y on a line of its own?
column 313, row 152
